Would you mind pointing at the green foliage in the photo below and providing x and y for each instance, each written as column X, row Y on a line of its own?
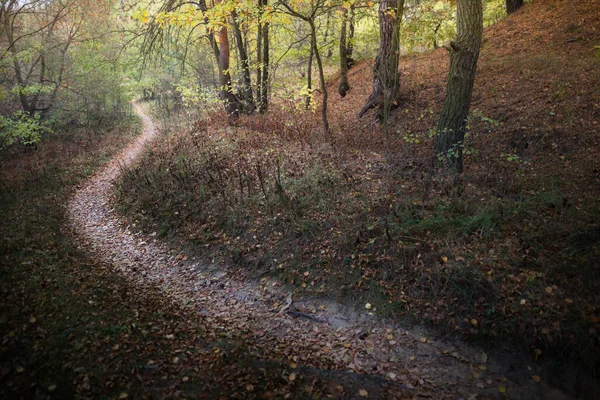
column 428, row 24
column 493, row 11
column 31, row 90
column 194, row 95
column 22, row 128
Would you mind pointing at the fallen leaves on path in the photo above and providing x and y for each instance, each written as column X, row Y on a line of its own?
column 247, row 342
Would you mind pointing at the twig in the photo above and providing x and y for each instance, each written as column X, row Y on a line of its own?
column 298, row 314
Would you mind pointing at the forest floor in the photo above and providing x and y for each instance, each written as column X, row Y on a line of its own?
column 154, row 322
column 505, row 255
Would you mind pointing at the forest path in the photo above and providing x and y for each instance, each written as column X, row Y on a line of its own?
column 344, row 354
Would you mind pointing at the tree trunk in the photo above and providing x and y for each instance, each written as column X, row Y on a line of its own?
column 513, row 5
column 211, row 37
column 344, row 86
column 313, row 33
column 230, row 101
column 329, row 52
column 259, row 56
column 386, row 78
column 450, row 132
column 245, row 66
column 264, row 92
column 350, row 39
column 309, row 74
column 16, row 64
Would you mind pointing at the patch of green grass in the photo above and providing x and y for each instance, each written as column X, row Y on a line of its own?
column 449, row 220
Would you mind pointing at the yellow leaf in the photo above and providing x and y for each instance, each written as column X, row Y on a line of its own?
column 474, row 322
column 484, row 358
column 368, row 306
column 292, row 377
column 306, row 273
column 123, row 395
column 444, row 259
column 502, row 389
column 363, row 393
column 423, row 340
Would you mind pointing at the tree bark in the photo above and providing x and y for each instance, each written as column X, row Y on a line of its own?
column 464, row 53
column 350, row 39
column 245, row 66
column 513, row 5
column 313, row 33
column 329, row 52
column 309, row 75
column 264, row 92
column 386, row 78
column 344, row 85
column 259, row 55
column 230, row 101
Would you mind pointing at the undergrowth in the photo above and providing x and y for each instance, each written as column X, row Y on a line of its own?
column 488, row 259
column 508, row 251
column 57, row 316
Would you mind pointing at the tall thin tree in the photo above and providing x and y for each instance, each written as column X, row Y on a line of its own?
column 264, row 89
column 244, row 64
column 344, row 85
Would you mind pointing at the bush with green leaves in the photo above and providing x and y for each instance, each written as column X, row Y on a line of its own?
column 21, row 128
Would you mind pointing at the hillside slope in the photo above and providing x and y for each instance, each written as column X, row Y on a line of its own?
column 508, row 251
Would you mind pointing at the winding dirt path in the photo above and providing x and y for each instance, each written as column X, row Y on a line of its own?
column 380, row 358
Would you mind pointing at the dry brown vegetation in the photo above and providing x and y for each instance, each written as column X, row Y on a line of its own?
column 509, row 249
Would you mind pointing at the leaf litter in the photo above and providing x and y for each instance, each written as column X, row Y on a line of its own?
column 246, row 346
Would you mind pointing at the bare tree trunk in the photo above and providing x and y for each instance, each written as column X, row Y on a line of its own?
column 464, row 53
column 350, row 39
column 309, row 74
column 259, row 57
column 386, row 78
column 230, row 101
column 513, row 5
column 16, row 65
column 313, row 33
column 244, row 64
column 328, row 53
column 344, row 85
column 264, row 92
